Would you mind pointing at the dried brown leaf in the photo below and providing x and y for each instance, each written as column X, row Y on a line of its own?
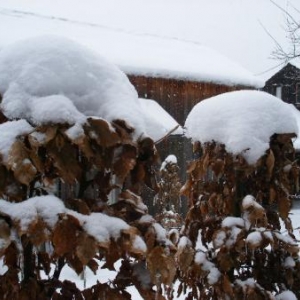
column 4, row 236
column 37, row 232
column 270, row 162
column 64, row 235
column 65, row 159
column 225, row 261
column 184, row 257
column 218, row 167
column 161, row 266
column 125, row 162
column 86, row 247
column 284, row 205
column 19, row 162
column 102, row 132
column 93, row 265
column 84, row 144
column 112, row 255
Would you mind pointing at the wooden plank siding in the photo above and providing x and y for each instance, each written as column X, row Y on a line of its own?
column 177, row 97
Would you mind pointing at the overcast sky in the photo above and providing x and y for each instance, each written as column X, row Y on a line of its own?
column 236, row 28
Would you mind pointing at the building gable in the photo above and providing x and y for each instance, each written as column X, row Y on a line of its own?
column 285, row 84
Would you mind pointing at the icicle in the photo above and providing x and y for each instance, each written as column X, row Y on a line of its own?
column 21, row 264
column 158, row 285
column 83, row 277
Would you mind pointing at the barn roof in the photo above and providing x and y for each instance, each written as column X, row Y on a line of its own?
column 158, row 121
column 167, row 58
column 295, row 62
column 135, row 53
column 292, row 68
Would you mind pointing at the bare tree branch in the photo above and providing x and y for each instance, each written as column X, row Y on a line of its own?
column 292, row 29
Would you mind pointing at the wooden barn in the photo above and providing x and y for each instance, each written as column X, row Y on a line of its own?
column 178, row 75
column 285, row 84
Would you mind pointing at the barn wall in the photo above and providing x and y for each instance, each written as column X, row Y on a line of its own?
column 177, row 97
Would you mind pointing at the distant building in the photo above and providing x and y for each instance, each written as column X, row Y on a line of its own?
column 178, row 75
column 285, row 84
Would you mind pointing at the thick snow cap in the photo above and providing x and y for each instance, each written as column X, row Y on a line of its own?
column 53, row 79
column 158, row 121
column 242, row 120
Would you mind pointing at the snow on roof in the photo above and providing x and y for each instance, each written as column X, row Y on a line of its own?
column 242, row 120
column 135, row 53
column 51, row 79
column 158, row 121
column 167, row 58
column 281, row 65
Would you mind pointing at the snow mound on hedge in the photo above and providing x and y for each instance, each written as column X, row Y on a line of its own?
column 242, row 120
column 53, row 79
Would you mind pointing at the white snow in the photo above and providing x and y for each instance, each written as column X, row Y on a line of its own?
column 213, row 273
column 242, row 120
column 139, row 244
column 285, row 238
column 219, row 239
column 233, row 221
column 102, row 227
column 268, row 235
column 158, row 121
column 289, row 262
column 54, row 109
column 26, row 212
column 245, row 283
column 249, row 202
column 40, row 75
column 136, row 46
column 254, row 238
column 170, row 159
column 184, row 242
column 234, row 232
column 286, row 295
column 146, row 219
column 9, row 132
column 161, row 233
column 125, row 24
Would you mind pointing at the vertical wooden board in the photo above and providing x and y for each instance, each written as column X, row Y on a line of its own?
column 177, row 97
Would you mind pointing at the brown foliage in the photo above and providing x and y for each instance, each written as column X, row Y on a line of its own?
column 240, row 235
column 161, row 266
column 82, row 171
